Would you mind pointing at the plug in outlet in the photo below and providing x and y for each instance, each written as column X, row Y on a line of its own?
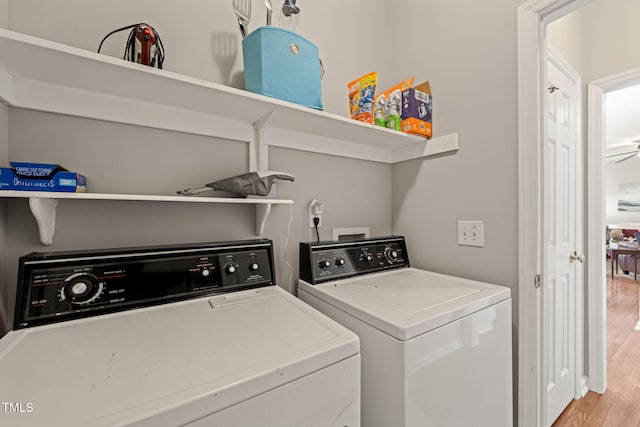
column 316, row 209
column 471, row 233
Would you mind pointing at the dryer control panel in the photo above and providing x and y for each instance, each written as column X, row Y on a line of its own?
column 67, row 285
column 324, row 261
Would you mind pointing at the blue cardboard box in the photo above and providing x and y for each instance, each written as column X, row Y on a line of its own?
column 41, row 177
column 282, row 64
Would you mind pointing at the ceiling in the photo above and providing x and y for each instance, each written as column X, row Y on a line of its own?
column 622, row 115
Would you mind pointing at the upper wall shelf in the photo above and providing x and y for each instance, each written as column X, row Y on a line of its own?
column 43, row 75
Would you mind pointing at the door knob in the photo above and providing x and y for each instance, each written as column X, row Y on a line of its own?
column 575, row 257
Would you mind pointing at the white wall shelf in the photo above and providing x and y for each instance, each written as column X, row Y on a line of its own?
column 43, row 205
column 42, row 75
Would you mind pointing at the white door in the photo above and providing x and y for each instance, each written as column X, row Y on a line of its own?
column 559, row 228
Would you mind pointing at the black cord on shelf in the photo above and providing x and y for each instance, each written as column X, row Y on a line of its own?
column 113, row 32
column 316, row 223
column 129, row 50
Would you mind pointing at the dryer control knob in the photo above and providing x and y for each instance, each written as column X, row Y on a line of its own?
column 205, row 272
column 81, row 288
column 230, row 269
column 325, row 263
column 253, row 266
column 340, row 261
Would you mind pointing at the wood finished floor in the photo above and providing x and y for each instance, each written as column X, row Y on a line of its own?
column 619, row 406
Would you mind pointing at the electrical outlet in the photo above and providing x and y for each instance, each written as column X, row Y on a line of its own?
column 471, row 233
column 316, row 208
column 311, row 224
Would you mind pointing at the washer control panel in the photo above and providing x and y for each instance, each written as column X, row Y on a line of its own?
column 59, row 286
column 324, row 261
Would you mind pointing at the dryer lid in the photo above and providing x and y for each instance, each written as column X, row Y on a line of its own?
column 409, row 302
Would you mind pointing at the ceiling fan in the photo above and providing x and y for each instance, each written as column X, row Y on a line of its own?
column 629, row 154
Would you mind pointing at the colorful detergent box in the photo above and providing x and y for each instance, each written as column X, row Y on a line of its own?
column 417, row 107
column 41, row 177
column 282, row 64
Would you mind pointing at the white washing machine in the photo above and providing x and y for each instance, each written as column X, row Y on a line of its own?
column 436, row 349
column 194, row 335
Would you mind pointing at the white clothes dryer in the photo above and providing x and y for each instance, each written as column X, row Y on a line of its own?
column 195, row 335
column 436, row 349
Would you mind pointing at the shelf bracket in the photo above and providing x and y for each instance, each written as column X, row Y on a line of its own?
column 6, row 87
column 262, row 213
column 264, row 209
column 44, row 211
column 259, row 161
column 259, row 157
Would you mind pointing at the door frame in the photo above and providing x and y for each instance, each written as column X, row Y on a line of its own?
column 533, row 16
column 597, row 291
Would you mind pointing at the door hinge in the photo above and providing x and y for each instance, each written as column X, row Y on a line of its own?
column 537, row 281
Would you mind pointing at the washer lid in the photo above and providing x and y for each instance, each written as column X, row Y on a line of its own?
column 169, row 364
column 409, row 302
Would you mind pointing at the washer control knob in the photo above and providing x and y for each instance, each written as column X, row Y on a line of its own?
column 340, row 261
column 230, row 269
column 205, row 272
column 325, row 263
column 253, row 266
column 391, row 255
column 368, row 258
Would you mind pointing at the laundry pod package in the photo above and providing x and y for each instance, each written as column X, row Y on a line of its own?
column 417, row 110
column 361, row 97
column 282, row 64
column 388, row 103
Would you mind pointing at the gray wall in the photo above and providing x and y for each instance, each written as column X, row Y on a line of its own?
column 4, row 13
column 130, row 159
column 470, row 60
column 355, row 194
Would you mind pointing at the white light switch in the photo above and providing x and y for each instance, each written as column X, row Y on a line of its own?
column 471, row 233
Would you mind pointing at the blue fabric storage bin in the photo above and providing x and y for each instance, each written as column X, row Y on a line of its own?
column 282, row 64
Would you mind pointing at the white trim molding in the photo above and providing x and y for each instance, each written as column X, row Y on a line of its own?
column 584, row 386
column 596, row 290
column 529, row 260
column 533, row 16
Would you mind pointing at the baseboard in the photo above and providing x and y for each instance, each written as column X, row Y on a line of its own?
column 584, row 386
